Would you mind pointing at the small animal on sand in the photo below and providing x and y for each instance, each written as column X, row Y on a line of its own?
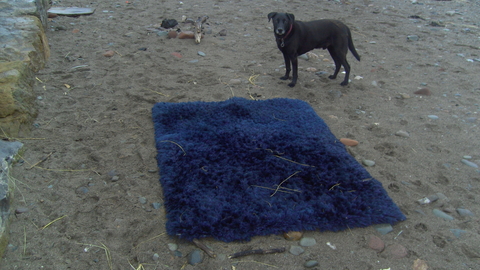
column 295, row 38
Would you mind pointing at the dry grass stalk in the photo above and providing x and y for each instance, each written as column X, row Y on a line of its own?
column 278, row 187
column 40, row 161
column 184, row 153
column 53, row 221
column 108, row 255
column 306, row 165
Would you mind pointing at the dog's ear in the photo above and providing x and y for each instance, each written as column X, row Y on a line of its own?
column 291, row 16
column 271, row 15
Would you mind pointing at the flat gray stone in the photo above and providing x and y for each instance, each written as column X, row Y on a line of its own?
column 307, row 242
column 464, row 212
column 383, row 228
column 441, row 214
column 311, row 263
column 71, row 11
column 296, row 250
column 195, row 257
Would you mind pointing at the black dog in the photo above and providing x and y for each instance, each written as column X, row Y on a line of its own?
column 295, row 38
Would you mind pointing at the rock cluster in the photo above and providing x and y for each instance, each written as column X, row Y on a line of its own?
column 24, row 51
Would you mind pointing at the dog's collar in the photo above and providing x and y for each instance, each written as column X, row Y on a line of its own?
column 286, row 35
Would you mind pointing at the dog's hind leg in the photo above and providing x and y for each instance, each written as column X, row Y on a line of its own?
column 339, row 62
column 346, row 66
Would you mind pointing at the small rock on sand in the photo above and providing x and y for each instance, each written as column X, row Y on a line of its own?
column 348, row 142
column 375, row 243
column 293, row 236
column 109, row 53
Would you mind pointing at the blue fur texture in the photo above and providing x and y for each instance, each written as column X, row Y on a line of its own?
column 241, row 168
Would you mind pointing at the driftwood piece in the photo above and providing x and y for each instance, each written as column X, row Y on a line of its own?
column 199, row 28
column 257, row 251
column 203, row 247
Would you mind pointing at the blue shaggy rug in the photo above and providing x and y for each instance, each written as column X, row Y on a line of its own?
column 240, row 168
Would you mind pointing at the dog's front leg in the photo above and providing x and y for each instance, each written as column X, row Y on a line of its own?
column 287, row 67
column 294, row 61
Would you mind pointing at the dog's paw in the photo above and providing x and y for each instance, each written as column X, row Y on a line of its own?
column 344, row 83
column 284, row 78
column 292, row 84
column 332, row 77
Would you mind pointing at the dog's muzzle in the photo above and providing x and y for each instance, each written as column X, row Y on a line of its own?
column 280, row 31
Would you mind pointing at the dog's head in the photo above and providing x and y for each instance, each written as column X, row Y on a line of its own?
column 281, row 22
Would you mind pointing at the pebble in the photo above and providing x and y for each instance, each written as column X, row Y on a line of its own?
column 311, row 69
column 142, row 200
column 293, row 236
column 308, row 242
column 426, row 200
column 115, row 178
column 469, row 163
column 368, row 163
column 433, row 117
column 172, row 34
column 12, row 248
column 441, row 214
column 21, row 210
column 419, row 264
column 348, row 142
column 404, row 96
column 375, row 243
column 312, row 55
column 186, row 35
column 303, row 56
column 82, row 190
column 201, row 53
column 412, row 38
column 310, row 264
column 464, row 212
column 195, row 257
column 156, row 205
column 423, row 92
column 396, row 251
column 383, row 228
column 222, row 32
column 450, row 12
column 178, row 254
column 193, row 61
column 172, row 246
column 296, row 250
column 109, row 53
column 467, row 157
column 156, row 257
column 176, row 54
column 458, row 232
column 471, row 119
column 402, row 133
column 320, row 73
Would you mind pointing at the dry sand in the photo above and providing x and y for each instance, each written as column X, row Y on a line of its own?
column 95, row 127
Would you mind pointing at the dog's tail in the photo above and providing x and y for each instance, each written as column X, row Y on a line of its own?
column 351, row 47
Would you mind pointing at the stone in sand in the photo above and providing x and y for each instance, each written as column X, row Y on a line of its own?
column 375, row 243
column 293, row 236
column 348, row 142
column 423, row 92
